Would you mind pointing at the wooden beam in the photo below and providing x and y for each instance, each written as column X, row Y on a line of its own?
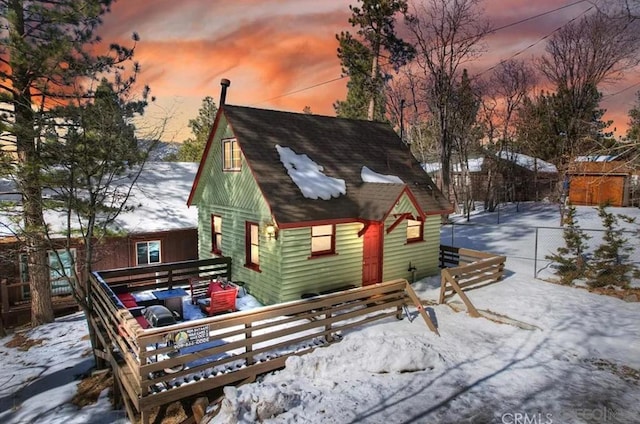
column 418, row 303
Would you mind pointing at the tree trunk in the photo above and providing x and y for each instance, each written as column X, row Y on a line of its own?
column 374, row 83
column 29, row 180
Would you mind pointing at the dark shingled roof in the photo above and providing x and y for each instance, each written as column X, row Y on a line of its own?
column 342, row 147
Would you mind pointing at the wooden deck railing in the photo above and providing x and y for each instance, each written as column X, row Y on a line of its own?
column 473, row 269
column 157, row 366
column 9, row 306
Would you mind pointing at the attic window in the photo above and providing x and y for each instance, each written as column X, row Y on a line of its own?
column 230, row 155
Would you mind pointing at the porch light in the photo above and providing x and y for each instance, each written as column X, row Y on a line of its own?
column 271, row 231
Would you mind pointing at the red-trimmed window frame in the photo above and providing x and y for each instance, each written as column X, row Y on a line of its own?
column 332, row 249
column 216, row 236
column 231, row 157
column 250, row 243
column 420, row 237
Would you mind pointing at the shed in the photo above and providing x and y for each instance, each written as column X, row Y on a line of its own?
column 600, row 182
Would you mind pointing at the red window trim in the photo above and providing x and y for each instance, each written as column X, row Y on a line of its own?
column 332, row 250
column 214, row 245
column 421, row 236
column 247, row 246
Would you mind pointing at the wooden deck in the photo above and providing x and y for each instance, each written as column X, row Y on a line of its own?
column 157, row 366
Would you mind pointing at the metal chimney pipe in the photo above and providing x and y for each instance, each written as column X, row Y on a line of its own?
column 225, row 83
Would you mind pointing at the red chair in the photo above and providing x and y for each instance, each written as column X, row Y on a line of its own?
column 221, row 298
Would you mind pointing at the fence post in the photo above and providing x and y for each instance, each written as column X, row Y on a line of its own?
column 249, row 347
column 453, row 232
column 535, row 256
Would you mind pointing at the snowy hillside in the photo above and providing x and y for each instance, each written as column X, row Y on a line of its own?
column 550, row 354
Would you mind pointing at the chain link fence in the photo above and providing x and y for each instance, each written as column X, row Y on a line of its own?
column 526, row 248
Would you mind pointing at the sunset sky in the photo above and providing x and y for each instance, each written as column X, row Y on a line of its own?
column 269, row 48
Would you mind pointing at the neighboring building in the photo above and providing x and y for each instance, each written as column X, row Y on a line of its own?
column 160, row 229
column 306, row 203
column 597, row 180
column 505, row 176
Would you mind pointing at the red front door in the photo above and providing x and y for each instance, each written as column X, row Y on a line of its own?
column 372, row 255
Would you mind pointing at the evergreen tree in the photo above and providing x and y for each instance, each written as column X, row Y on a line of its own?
column 555, row 128
column 47, row 57
column 361, row 58
column 633, row 132
column 193, row 148
column 609, row 265
column 570, row 257
column 91, row 168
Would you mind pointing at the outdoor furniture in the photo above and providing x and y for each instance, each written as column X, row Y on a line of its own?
column 172, row 299
column 221, row 298
column 198, row 287
column 127, row 300
column 146, row 298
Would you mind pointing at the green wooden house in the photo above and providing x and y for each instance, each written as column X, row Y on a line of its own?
column 306, row 203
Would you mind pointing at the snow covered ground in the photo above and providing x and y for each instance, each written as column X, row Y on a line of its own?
column 568, row 356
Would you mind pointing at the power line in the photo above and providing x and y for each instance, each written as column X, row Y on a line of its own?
column 548, row 12
column 301, row 89
column 533, row 44
column 621, row 91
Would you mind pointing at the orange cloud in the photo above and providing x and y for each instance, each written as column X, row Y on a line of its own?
column 269, row 48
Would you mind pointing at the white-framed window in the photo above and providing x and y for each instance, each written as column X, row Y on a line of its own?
column 61, row 271
column 323, row 239
column 252, row 245
column 148, row 252
column 216, row 234
column 230, row 155
column 414, row 230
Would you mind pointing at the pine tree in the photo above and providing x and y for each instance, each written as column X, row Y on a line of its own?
column 193, row 148
column 47, row 59
column 361, row 58
column 570, row 257
column 609, row 265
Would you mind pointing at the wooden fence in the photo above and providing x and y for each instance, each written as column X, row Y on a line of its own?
column 471, row 269
column 18, row 312
column 156, row 366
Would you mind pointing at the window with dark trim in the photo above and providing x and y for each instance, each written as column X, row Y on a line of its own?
column 148, row 252
column 62, row 264
column 230, row 155
column 216, row 234
column 323, row 239
column 414, row 230
column 252, row 245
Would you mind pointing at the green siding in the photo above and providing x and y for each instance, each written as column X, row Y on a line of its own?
column 302, row 274
column 235, row 196
column 286, row 269
column 398, row 253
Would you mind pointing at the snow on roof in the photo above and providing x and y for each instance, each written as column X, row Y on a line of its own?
column 528, row 162
column 369, row 176
column 159, row 198
column 475, row 165
column 309, row 177
column 597, row 158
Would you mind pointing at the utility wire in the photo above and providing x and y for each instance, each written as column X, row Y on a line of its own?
column 533, row 44
column 493, row 31
column 301, row 89
column 621, row 91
